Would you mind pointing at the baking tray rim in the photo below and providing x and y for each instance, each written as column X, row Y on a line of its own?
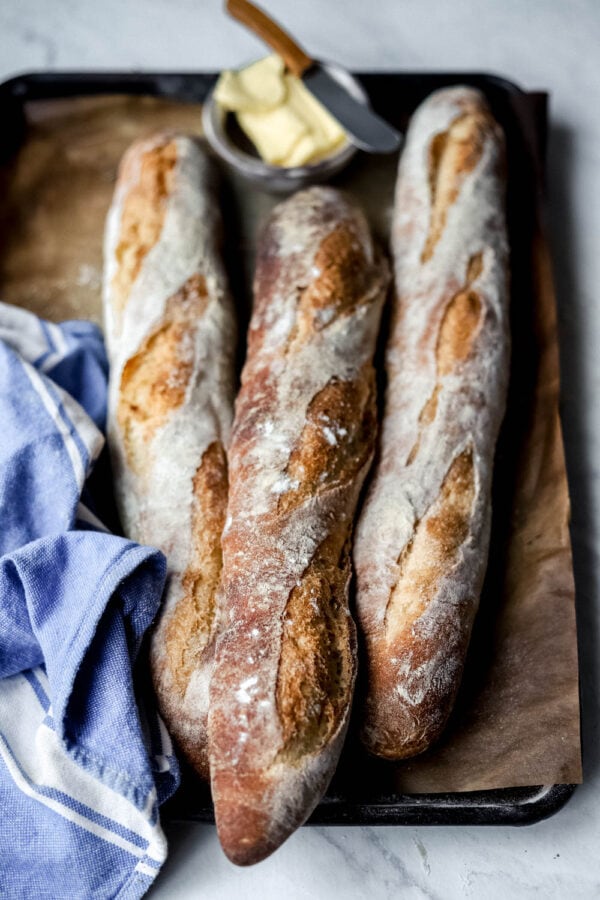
column 510, row 806
column 21, row 84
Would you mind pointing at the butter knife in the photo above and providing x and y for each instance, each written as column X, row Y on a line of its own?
column 365, row 128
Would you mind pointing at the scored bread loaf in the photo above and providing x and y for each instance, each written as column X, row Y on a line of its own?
column 171, row 340
column 302, row 442
column 422, row 539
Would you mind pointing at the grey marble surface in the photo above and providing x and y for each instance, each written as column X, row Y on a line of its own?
column 549, row 44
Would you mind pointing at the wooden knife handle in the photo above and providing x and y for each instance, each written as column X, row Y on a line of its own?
column 271, row 33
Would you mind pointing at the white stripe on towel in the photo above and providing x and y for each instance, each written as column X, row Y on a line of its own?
column 44, row 762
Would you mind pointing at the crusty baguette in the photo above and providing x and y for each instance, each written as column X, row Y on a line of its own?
column 302, row 442
column 422, row 539
column 171, row 338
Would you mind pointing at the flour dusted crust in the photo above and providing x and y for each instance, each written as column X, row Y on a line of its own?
column 171, row 339
column 302, row 442
column 422, row 540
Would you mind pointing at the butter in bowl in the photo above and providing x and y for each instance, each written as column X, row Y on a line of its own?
column 285, row 122
column 263, row 121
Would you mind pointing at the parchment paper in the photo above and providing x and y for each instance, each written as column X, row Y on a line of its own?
column 516, row 721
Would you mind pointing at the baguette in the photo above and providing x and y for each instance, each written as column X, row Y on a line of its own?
column 422, row 539
column 171, row 339
column 302, row 442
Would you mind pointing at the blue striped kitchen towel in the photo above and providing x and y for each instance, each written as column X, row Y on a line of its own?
column 85, row 761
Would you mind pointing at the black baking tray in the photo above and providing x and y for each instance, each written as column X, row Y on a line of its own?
column 360, row 792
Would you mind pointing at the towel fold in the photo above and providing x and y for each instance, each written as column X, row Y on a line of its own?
column 85, row 760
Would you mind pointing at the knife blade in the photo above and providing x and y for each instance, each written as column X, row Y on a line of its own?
column 364, row 127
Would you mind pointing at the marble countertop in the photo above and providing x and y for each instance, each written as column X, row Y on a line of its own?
column 548, row 44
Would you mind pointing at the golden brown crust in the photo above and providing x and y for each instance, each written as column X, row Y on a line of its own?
column 144, row 208
column 432, row 549
column 192, row 622
column 421, row 544
column 342, row 276
column 460, row 323
column 349, row 410
column 452, row 155
column 302, row 442
column 155, row 380
column 189, row 630
column 171, row 338
column 315, row 667
column 424, row 563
